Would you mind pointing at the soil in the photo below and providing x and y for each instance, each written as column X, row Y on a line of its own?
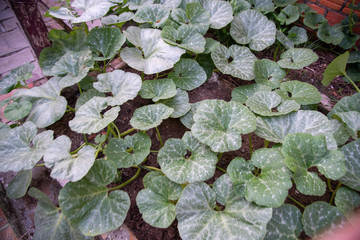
column 219, row 86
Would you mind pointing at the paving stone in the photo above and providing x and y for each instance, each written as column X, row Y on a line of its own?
column 5, row 10
column 16, row 60
column 12, row 41
column 9, row 24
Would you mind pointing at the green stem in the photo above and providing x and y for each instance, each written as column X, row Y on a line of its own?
column 104, row 66
column 116, row 128
column 160, row 139
column 329, row 185
column 40, row 165
column 71, row 109
column 95, row 69
column 334, row 193
column 142, row 76
column 257, row 172
column 295, row 201
column 127, row 132
column 276, row 50
column 154, row 151
column 217, row 208
column 129, row 150
column 220, row 156
column 78, row 149
column 266, row 143
column 221, row 169
column 85, row 138
column 250, row 145
column 80, row 90
column 150, row 168
column 356, row 87
column 128, row 181
column 112, row 130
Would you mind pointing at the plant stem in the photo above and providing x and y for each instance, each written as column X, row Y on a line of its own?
column 85, row 138
column 266, row 143
column 250, row 145
column 217, row 208
column 160, row 139
column 116, row 128
column 257, row 172
column 220, row 156
column 80, row 90
column 329, row 185
column 276, row 50
column 142, row 76
column 129, row 150
column 334, row 193
column 127, row 132
column 112, row 130
column 78, row 149
column 71, row 109
column 150, row 168
column 356, row 87
column 221, row 169
column 40, row 165
column 128, row 181
column 104, row 66
column 154, row 151
column 295, row 201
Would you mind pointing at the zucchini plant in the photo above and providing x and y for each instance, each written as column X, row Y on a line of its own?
column 174, row 42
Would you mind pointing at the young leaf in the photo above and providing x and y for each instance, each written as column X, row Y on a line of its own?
column 303, row 93
column 335, row 68
column 150, row 116
column 17, row 110
column 297, row 58
column 284, row 40
column 284, row 3
column 347, row 200
column 288, row 15
column 253, row 28
column 180, row 103
column 268, row 73
column 22, row 148
column 88, row 119
column 156, row 14
column 297, row 35
column 66, row 166
column 130, row 151
column 19, row 184
column 101, row 211
column 187, row 160
column 219, row 124
column 197, row 218
column 330, row 34
column 157, row 89
column 243, row 93
column 352, row 163
column 17, row 75
column 235, row 60
column 86, row 96
column 314, row 20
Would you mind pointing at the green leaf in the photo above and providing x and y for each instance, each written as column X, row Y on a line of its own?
column 335, row 68
column 314, row 20
column 197, row 218
column 263, row 5
column 340, row 132
column 219, row 124
column 150, row 116
column 285, row 223
column 47, row 104
column 180, row 103
column 221, row 13
column 351, row 120
column 185, row 37
column 346, row 104
column 50, row 223
column 155, row 55
column 17, row 75
column 239, row 6
column 188, row 74
column 267, row 103
column 297, row 58
column 297, row 35
column 124, row 86
column 155, row 201
column 135, row 4
column 330, row 34
column 156, row 14
column 187, row 160
column 17, row 110
column 318, row 217
column 116, row 19
column 303, row 93
column 284, row 40
column 88, row 118
column 284, row 3
column 253, row 28
column 101, row 211
column 130, row 151
column 235, row 60
column 352, row 163
column 19, row 184
column 268, row 73
column 288, row 15
column 86, row 96
column 4, row 130
column 63, row 165
column 309, row 183
column 157, row 89
column 22, row 148
column 347, row 200
column 243, row 93
column 106, row 42
column 187, row 119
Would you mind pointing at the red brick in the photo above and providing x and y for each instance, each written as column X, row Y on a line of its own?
column 346, row 9
column 318, row 9
column 333, row 4
column 334, row 17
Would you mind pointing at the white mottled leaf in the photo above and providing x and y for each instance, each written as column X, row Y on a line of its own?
column 221, row 13
column 297, row 35
column 17, row 75
column 351, row 120
column 352, row 163
column 243, row 93
column 17, row 110
column 180, row 103
column 19, row 184
column 288, row 15
column 86, row 96
column 297, row 58
column 150, row 116
column 158, row 89
column 330, row 34
column 303, row 93
column 340, row 132
column 187, row 119
column 115, row 19
column 156, row 14
column 347, row 200
column 268, row 73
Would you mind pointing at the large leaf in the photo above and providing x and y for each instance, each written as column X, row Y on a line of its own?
column 50, row 224
column 335, row 68
column 105, row 42
column 318, row 217
column 263, row 5
column 253, row 28
column 303, row 93
column 158, row 89
column 314, row 20
column 271, row 187
column 187, row 119
column 221, row 13
column 330, row 34
column 347, row 104
column 155, row 55
column 283, row 3
column 188, row 74
column 288, row 15
column 340, row 132
column 47, row 104
column 236, row 60
column 187, row 160
column 17, row 110
column 243, row 93
column 130, row 151
column 347, row 200
column 19, row 184
column 297, row 58
column 150, row 116
column 156, row 201
column 352, row 162
column 284, row 40
column 22, row 148
column 302, row 151
column 351, row 120
column 297, row 35
column 219, row 124
column 17, row 75
column 197, row 218
column 4, row 130
column 135, row 4
column 66, row 166
column 180, row 103
column 124, row 86
column 116, row 19
column 86, row 96
column 101, row 211
column 268, row 73
column 275, row 129
column 156, row 14
column 285, row 223
column 88, row 118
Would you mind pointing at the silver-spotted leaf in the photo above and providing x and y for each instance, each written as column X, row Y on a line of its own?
column 314, row 20
column 297, row 58
column 352, row 163
column 351, row 120
column 347, row 200
column 158, row 89
column 19, row 184
column 243, row 93
column 150, row 116
column 17, row 75
column 303, row 93
column 288, row 15
column 156, row 14
column 180, row 103
column 297, row 35
column 330, row 34
column 86, row 96
column 268, row 73
column 17, row 110
column 187, row 119
column 221, row 13
column 116, row 19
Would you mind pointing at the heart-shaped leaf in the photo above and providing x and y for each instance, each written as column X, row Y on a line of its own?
column 239, row 6
column 303, row 93
column 314, row 20
column 268, row 73
column 297, row 58
column 135, row 4
column 22, row 148
column 347, row 200
column 4, row 130
column 150, row 116
column 253, row 28
column 19, row 184
column 180, row 103
column 330, row 34
column 284, row 40
column 288, row 15
column 243, row 93
column 221, row 13
column 88, row 118
column 17, row 110
column 284, row 3
column 352, row 163
column 235, row 60
column 102, row 212
column 187, row 160
column 188, row 74
column 156, row 201
column 17, row 75
column 351, row 120
column 335, row 68
column 86, row 96
column 116, row 19
column 347, row 104
column 157, row 89
column 130, row 151
column 124, row 86
column 66, row 166
column 340, row 132
column 263, row 5
column 219, row 124
column 187, row 119
column 297, row 35
column 197, row 218
column 156, row 14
